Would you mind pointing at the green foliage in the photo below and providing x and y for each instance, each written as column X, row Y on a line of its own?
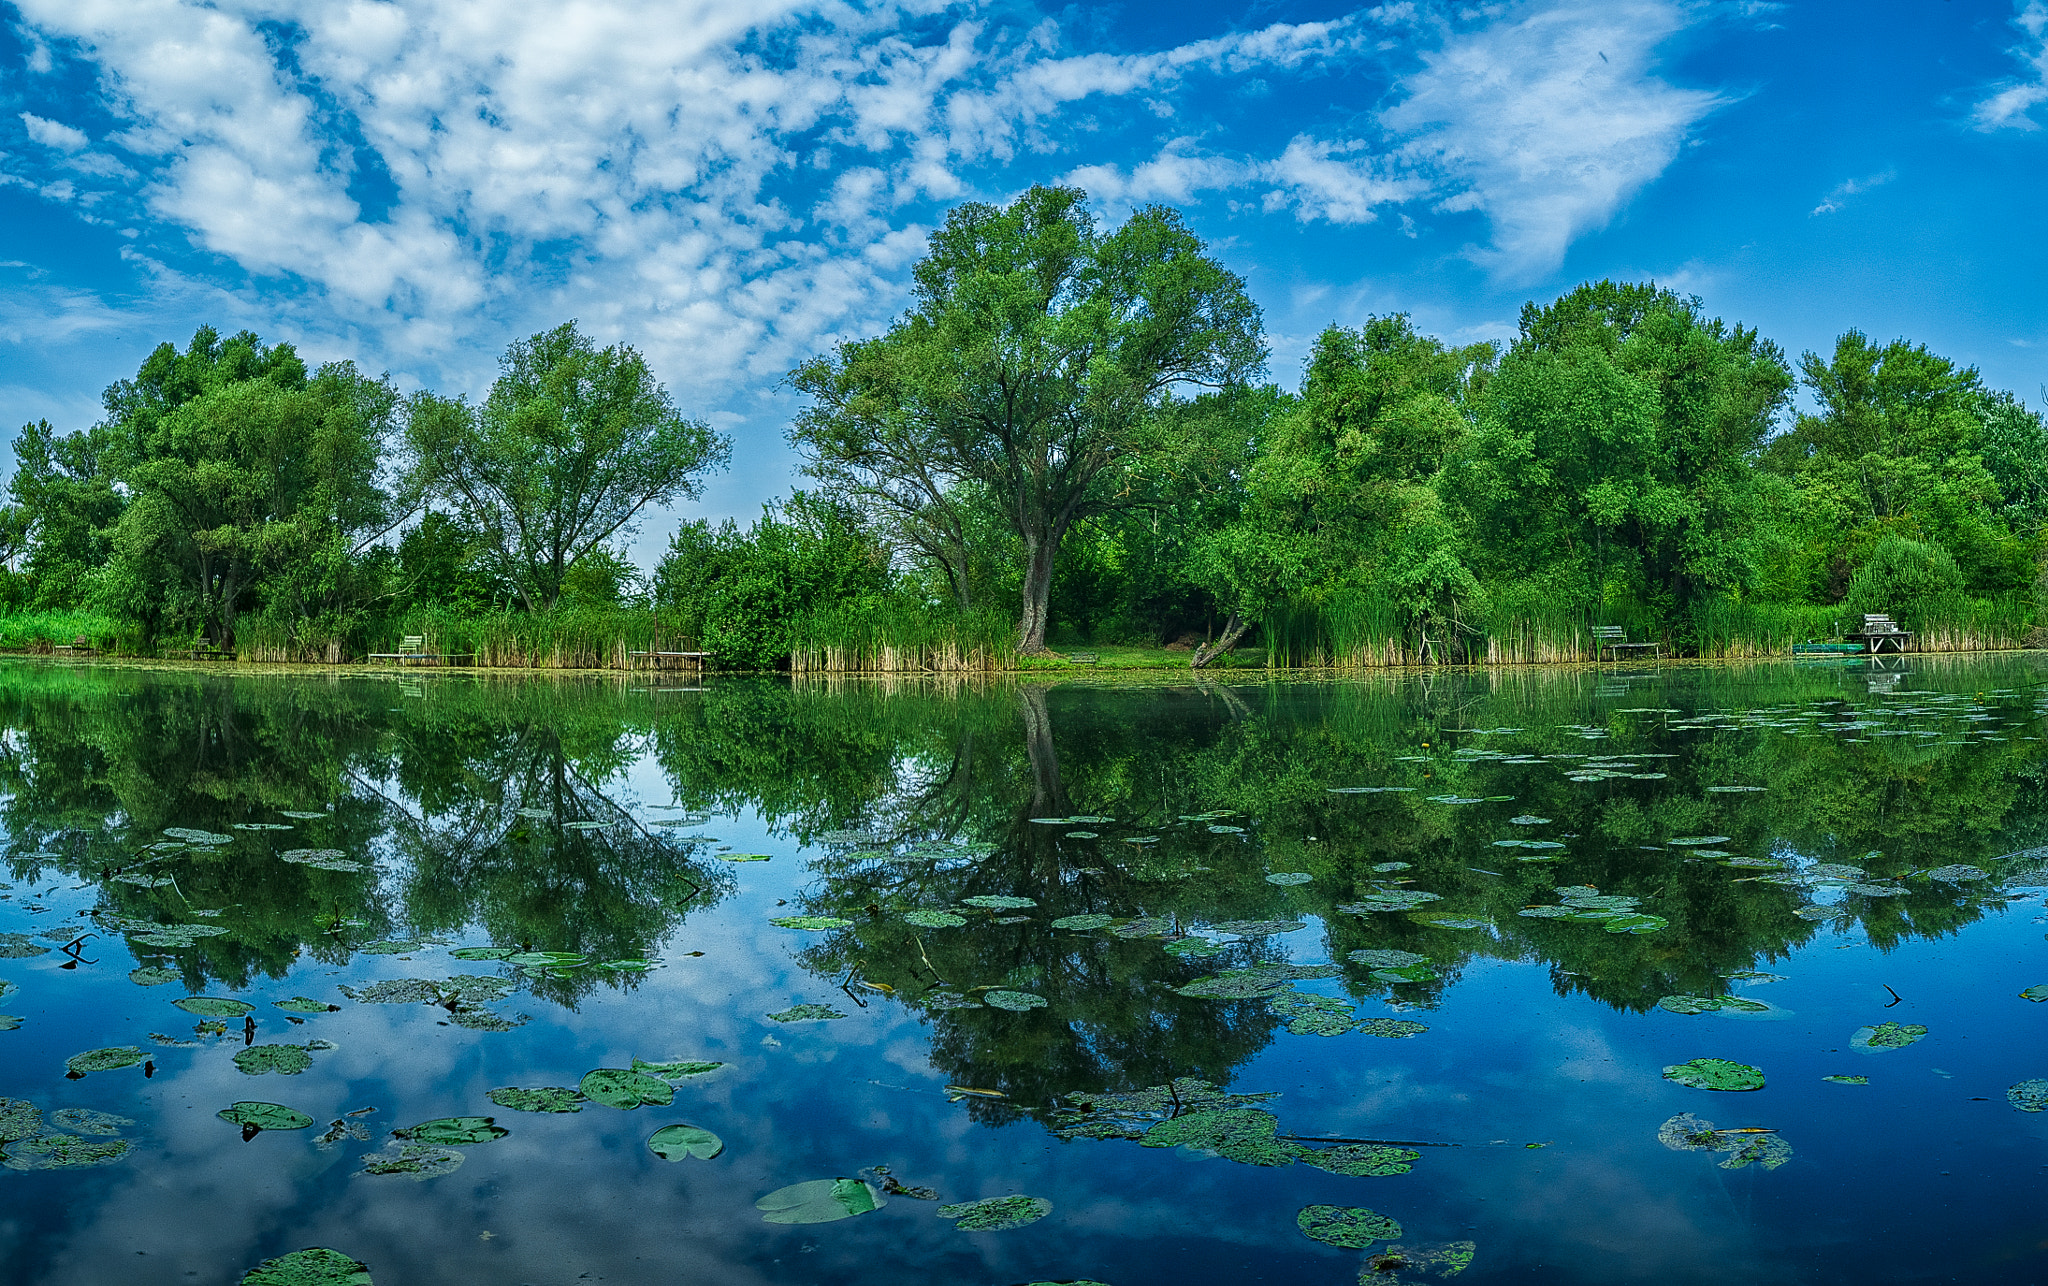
column 571, row 443
column 1915, row 582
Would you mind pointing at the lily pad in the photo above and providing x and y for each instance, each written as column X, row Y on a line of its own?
column 1016, row 1001
column 1388, row 868
column 417, row 1161
column 453, row 1131
column 678, row 1142
column 214, row 1006
column 300, row 815
column 264, row 1116
column 934, row 919
column 1528, row 819
column 62, row 1152
column 16, row 946
column 305, row 1005
column 814, row 922
column 1390, row 900
column 1196, row 947
column 2037, row 992
column 394, row 991
column 2029, row 1096
column 1699, row 841
column 1846, row 1080
column 1083, row 835
column 197, row 837
column 1391, row 1028
column 1257, row 928
column 1362, row 1159
column 84, row 1120
column 625, row 1090
column 325, row 859
column 152, row 976
column 104, row 1060
column 1385, row 958
column 994, row 1214
column 314, row 1266
column 1744, row 1147
column 19, row 1119
column 1285, row 878
column 677, row 1069
column 1715, row 1074
column 818, row 1201
column 998, row 902
column 1885, row 1036
column 1226, row 830
column 806, row 1013
column 1958, row 874
column 545, row 1098
column 285, row 1060
column 1084, row 922
column 1352, row 1227
column 1711, row 1004
column 1241, row 1134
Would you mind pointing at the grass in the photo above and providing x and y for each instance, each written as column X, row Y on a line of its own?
column 39, row 631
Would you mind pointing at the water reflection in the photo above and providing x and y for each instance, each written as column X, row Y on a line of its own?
column 1749, row 813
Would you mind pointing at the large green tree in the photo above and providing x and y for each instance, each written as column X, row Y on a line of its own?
column 572, row 442
column 1036, row 350
column 252, row 483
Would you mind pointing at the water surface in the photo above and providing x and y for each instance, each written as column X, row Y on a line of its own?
column 1452, row 928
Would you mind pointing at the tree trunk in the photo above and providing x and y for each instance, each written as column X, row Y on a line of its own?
column 1038, row 555
column 1048, row 792
column 1233, row 630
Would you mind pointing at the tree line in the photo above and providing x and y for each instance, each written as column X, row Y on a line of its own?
column 1070, row 436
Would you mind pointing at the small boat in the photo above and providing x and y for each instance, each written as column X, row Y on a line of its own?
column 1825, row 649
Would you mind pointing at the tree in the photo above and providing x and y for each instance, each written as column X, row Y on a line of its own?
column 1037, row 348
column 571, row 443
column 63, row 487
column 252, row 483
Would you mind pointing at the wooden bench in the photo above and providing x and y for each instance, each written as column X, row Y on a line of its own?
column 667, row 660
column 1611, row 638
column 413, row 647
column 1881, row 633
column 1084, row 658
column 208, row 652
column 80, row 646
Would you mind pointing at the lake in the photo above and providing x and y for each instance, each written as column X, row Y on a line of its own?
column 1679, row 974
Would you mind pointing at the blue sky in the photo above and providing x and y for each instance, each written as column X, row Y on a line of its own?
column 733, row 186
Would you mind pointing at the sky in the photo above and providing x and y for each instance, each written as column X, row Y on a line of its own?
column 732, row 187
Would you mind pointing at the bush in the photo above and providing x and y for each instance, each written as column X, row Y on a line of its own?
column 1911, row 581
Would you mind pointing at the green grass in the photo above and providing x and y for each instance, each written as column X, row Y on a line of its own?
column 39, row 630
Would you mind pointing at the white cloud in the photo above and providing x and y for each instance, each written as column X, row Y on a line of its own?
column 1548, row 120
column 2008, row 106
column 1834, row 200
column 54, row 134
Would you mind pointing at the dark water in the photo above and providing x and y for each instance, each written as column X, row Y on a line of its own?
column 1527, row 1116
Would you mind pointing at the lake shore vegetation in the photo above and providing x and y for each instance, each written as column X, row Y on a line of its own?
column 1068, row 450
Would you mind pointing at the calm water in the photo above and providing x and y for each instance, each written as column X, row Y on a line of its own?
column 1750, row 864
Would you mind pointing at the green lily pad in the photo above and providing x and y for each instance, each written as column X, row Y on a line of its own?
column 1084, row 922
column 394, row 991
column 300, row 815
column 1388, row 868
column 84, row 1120
column 1083, row 835
column 998, row 902
column 1688, row 1133
column 214, row 1006
column 16, row 946
column 2029, row 1096
column 1017, row 1001
column 314, row 1266
column 1846, row 1080
column 153, row 976
column 264, row 1116
column 676, row 1142
column 324, row 859
column 1352, row 1227
column 19, row 1119
column 1636, row 923
column 1711, row 1004
column 481, row 953
column 1528, row 819
column 1257, row 928
column 10, row 1022
column 1226, row 830
column 1285, row 878
column 104, row 1060
column 1700, row 841
column 1385, row 958
column 417, row 1161
column 1715, row 1074
column 1391, row 1028
column 305, row 1005
column 625, row 1090
column 994, row 1214
column 818, row 1201
column 1958, row 874
column 259, row 826
column 1362, row 1159
column 806, row 1013
column 1195, row 947
column 2037, row 992
column 925, row 919
column 197, row 837
column 1390, row 900
column 545, row 1098
column 677, row 1069
column 285, row 1060
column 1406, row 973
column 1887, row 1036
column 395, row 947
column 453, row 1131
column 1241, row 1134
column 62, row 1152
column 815, row 922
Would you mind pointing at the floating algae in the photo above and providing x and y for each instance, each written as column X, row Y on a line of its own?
column 1715, row 1074
column 994, row 1214
column 314, row 1266
column 806, row 1014
column 1352, row 1227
